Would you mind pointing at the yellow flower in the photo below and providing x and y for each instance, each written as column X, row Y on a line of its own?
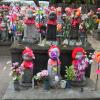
column 98, row 21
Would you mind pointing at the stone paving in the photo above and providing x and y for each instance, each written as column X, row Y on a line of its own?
column 67, row 94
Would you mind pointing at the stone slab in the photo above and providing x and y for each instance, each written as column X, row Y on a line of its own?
column 69, row 94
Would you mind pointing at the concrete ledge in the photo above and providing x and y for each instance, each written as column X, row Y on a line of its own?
column 53, row 94
column 5, row 43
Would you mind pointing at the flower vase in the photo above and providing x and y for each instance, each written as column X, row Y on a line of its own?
column 46, row 85
column 16, row 85
column 68, row 84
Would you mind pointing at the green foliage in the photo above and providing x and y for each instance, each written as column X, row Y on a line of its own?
column 20, row 27
column 70, row 73
column 67, row 28
column 36, row 77
column 53, row 1
column 90, row 24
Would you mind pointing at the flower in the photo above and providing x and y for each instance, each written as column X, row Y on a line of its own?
column 16, row 71
column 8, row 62
column 44, row 73
column 41, row 75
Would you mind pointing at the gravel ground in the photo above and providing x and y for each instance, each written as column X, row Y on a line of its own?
column 5, row 57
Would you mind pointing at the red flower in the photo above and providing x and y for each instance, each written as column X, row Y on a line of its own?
column 29, row 21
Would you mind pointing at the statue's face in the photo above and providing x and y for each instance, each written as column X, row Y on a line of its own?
column 79, row 55
column 54, row 53
column 26, row 57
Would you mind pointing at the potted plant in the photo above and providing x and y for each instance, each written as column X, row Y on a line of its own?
column 45, row 78
column 43, row 75
column 16, row 73
column 36, row 80
column 70, row 75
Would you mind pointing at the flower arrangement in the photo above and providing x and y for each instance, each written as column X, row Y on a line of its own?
column 70, row 73
column 20, row 27
column 16, row 71
column 41, row 75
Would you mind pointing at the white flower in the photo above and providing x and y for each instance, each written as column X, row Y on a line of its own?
column 22, row 73
column 86, row 59
column 10, row 74
column 8, row 62
column 90, row 61
column 14, row 78
column 39, row 75
column 5, row 68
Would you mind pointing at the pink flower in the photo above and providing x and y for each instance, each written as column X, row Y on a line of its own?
column 44, row 73
column 16, row 64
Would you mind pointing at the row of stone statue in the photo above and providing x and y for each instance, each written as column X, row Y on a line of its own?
column 52, row 73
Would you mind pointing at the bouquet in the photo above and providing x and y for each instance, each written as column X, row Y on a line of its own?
column 16, row 71
column 41, row 75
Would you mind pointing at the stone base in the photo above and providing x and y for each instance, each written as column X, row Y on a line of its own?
column 79, row 83
column 68, row 94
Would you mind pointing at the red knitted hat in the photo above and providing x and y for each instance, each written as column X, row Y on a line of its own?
column 77, row 49
column 29, row 52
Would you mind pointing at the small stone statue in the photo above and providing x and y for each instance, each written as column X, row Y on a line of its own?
column 54, row 66
column 3, row 31
column 80, row 63
column 27, row 66
column 30, row 32
column 52, row 27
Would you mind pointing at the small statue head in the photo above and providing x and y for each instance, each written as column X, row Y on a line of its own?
column 28, row 54
column 78, row 53
column 54, row 52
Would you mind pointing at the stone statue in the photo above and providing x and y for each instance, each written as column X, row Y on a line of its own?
column 27, row 66
column 80, row 63
column 30, row 32
column 54, row 66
